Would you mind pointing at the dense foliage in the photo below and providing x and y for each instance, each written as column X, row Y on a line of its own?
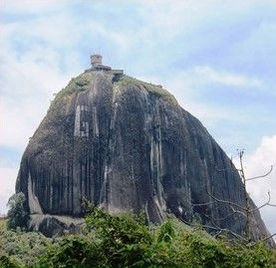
column 19, row 247
column 126, row 241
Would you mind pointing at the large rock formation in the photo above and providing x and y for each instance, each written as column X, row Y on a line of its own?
column 126, row 145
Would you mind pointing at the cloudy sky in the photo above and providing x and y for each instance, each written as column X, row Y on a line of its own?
column 217, row 57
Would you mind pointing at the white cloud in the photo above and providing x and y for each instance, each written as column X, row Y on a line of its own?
column 258, row 163
column 59, row 28
column 29, row 78
column 26, row 87
column 33, row 6
column 118, row 38
column 187, row 87
column 52, row 30
column 206, row 74
column 170, row 17
column 31, row 73
column 7, row 186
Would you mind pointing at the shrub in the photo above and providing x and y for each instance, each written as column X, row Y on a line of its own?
column 167, row 232
column 124, row 239
column 72, row 251
column 22, row 247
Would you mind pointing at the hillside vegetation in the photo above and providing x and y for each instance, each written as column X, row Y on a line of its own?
column 126, row 241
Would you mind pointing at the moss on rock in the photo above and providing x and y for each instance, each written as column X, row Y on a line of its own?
column 156, row 90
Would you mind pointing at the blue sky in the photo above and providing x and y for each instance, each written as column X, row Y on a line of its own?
column 217, row 57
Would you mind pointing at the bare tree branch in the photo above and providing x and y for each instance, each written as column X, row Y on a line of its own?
column 222, row 218
column 225, row 201
column 266, row 238
column 238, row 211
column 261, row 176
column 226, row 230
column 269, row 204
column 263, row 205
column 203, row 204
column 245, row 210
column 220, row 230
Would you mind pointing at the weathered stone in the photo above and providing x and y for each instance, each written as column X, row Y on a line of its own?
column 127, row 145
column 51, row 226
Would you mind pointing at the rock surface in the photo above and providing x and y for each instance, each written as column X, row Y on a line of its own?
column 52, row 225
column 127, row 145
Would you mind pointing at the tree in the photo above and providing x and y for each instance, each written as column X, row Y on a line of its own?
column 248, row 210
column 17, row 214
column 245, row 211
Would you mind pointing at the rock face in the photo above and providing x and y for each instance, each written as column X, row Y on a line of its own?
column 127, row 145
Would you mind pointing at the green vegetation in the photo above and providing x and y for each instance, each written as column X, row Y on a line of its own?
column 17, row 215
column 20, row 248
column 162, row 93
column 126, row 241
column 77, row 84
column 155, row 90
column 84, row 80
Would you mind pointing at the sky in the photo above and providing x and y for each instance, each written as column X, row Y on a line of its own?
column 217, row 57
